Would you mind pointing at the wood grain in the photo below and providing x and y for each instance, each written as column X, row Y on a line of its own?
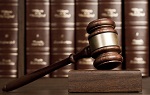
column 104, row 81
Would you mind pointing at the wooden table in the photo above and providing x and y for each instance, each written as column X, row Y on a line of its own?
column 59, row 86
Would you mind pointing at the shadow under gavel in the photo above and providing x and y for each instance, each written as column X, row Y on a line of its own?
column 103, row 47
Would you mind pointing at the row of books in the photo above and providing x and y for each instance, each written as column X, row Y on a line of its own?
column 56, row 28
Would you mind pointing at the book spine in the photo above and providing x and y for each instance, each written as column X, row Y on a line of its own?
column 37, row 35
column 62, row 34
column 85, row 12
column 137, row 35
column 112, row 9
column 8, row 38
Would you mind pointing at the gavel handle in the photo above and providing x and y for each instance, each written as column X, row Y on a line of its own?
column 42, row 72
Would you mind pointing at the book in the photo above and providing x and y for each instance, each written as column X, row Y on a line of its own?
column 85, row 12
column 112, row 9
column 62, row 34
column 37, row 35
column 136, row 35
column 8, row 38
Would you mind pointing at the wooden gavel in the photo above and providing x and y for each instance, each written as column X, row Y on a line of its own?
column 103, row 47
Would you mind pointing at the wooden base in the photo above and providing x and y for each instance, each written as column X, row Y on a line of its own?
column 104, row 81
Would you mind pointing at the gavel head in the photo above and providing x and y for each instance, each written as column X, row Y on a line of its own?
column 103, row 40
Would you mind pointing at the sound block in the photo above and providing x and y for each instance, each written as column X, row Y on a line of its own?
column 104, row 81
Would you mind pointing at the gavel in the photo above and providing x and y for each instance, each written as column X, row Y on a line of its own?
column 103, row 47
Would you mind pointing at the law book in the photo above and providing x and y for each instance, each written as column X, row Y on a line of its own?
column 37, row 35
column 85, row 12
column 8, row 38
column 112, row 9
column 137, row 35
column 62, row 34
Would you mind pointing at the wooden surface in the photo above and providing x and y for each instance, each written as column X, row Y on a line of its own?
column 104, row 81
column 59, row 86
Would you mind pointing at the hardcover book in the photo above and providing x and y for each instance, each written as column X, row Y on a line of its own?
column 62, row 34
column 37, row 35
column 8, row 38
column 137, row 35
column 112, row 9
column 85, row 12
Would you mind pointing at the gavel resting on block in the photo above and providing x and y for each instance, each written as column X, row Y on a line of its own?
column 103, row 47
